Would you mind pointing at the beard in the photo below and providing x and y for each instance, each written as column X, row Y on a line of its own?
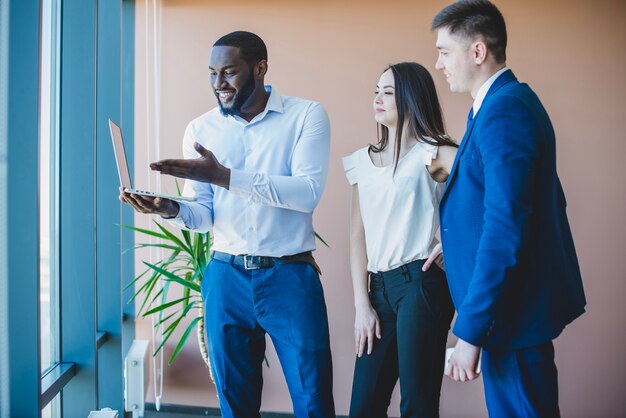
column 241, row 97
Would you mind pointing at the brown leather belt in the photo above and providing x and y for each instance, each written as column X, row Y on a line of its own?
column 255, row 262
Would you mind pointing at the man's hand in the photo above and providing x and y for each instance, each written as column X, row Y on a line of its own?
column 463, row 363
column 205, row 169
column 436, row 256
column 366, row 325
column 148, row 204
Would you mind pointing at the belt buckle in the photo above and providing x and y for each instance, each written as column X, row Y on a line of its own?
column 253, row 265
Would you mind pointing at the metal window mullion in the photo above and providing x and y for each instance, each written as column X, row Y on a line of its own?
column 108, row 284
column 76, row 206
column 127, row 120
column 53, row 381
column 19, row 164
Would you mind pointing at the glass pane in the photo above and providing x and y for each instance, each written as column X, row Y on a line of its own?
column 47, row 186
column 52, row 410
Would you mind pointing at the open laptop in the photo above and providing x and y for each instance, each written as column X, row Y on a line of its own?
column 122, row 167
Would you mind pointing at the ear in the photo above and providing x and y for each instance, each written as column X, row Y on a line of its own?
column 479, row 52
column 260, row 69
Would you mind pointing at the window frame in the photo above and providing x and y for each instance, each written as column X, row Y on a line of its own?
column 96, row 326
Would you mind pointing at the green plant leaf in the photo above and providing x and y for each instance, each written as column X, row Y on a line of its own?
column 163, row 320
column 165, row 292
column 170, row 276
column 171, row 327
column 207, row 245
column 173, row 238
column 144, row 231
column 186, row 291
column 183, row 340
column 321, row 239
column 166, row 336
column 165, row 246
column 142, row 289
column 197, row 274
column 198, row 246
column 153, row 281
column 187, row 236
column 136, row 279
column 164, row 306
column 178, row 191
column 189, row 307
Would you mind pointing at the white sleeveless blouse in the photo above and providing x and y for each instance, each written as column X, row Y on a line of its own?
column 400, row 212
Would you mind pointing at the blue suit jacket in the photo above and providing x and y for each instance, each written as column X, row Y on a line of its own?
column 509, row 254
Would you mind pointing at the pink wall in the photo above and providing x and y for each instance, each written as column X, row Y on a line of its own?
column 570, row 52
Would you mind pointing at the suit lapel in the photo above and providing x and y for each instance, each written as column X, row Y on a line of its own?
column 459, row 153
column 503, row 79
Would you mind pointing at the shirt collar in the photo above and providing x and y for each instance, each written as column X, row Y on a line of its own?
column 275, row 101
column 274, row 104
column 482, row 91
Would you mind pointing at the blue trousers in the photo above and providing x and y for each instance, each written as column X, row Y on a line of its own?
column 521, row 383
column 286, row 302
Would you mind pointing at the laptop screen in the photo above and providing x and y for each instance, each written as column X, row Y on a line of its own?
column 120, row 155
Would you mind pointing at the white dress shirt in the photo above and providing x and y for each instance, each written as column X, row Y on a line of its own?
column 482, row 91
column 279, row 165
column 399, row 212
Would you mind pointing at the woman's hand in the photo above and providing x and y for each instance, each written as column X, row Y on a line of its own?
column 366, row 326
column 436, row 256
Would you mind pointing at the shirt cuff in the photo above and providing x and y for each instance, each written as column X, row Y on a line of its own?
column 182, row 219
column 241, row 181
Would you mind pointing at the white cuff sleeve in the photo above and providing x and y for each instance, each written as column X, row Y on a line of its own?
column 241, row 182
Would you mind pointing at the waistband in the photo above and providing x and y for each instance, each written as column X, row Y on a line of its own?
column 403, row 269
column 255, row 262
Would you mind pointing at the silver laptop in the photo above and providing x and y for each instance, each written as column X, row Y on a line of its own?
column 122, row 167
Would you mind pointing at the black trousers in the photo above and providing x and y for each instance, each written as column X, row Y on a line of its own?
column 415, row 310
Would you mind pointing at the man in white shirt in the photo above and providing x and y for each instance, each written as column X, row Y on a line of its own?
column 257, row 165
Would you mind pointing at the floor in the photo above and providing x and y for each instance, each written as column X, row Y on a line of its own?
column 180, row 411
column 154, row 414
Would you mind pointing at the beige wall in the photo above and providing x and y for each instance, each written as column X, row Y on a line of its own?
column 570, row 52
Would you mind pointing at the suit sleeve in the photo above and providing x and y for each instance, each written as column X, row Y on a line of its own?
column 508, row 142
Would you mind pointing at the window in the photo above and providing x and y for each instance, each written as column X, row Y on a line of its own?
column 48, row 190
column 60, row 79
column 52, row 409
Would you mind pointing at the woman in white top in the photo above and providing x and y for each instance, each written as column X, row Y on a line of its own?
column 403, row 313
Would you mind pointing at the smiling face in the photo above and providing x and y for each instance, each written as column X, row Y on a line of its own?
column 232, row 79
column 385, row 110
column 457, row 62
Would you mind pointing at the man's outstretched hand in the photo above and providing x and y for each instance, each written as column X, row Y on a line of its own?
column 205, row 169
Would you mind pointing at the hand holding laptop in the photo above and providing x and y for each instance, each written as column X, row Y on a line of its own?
column 128, row 193
column 154, row 205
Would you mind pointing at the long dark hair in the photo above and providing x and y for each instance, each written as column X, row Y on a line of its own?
column 416, row 99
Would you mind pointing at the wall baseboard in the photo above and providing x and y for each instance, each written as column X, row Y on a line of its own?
column 211, row 412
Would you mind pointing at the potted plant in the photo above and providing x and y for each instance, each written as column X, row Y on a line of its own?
column 184, row 265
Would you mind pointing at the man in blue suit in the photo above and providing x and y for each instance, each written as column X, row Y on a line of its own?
column 509, row 254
